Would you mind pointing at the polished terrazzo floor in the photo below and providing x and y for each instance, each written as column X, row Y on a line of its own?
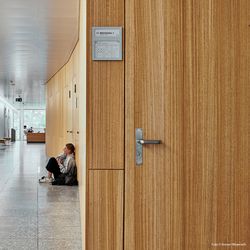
column 33, row 215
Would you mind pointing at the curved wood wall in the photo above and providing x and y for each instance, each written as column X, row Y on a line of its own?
column 63, row 107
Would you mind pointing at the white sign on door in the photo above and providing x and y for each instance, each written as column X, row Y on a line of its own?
column 107, row 43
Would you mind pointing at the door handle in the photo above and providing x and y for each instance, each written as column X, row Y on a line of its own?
column 139, row 141
column 143, row 142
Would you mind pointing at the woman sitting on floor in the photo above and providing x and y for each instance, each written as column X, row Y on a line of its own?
column 63, row 168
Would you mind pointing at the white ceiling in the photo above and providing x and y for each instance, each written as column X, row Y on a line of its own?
column 36, row 39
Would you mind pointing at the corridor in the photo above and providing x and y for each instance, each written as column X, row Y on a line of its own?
column 32, row 215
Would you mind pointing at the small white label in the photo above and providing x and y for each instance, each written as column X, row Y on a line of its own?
column 106, row 33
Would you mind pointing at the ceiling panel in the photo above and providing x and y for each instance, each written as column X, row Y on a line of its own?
column 36, row 39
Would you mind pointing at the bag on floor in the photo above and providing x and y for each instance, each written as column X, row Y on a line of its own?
column 69, row 179
column 60, row 180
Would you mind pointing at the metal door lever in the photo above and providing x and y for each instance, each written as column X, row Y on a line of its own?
column 143, row 142
column 139, row 141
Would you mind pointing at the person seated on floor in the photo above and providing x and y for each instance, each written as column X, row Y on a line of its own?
column 63, row 168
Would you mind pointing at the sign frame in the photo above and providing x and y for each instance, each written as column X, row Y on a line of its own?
column 107, row 43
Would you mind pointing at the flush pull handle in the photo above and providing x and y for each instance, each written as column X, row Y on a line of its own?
column 139, row 141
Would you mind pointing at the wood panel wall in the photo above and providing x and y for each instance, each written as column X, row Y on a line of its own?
column 105, row 93
column 209, row 88
column 62, row 113
column 66, row 116
column 105, row 230
column 105, row 136
column 217, row 125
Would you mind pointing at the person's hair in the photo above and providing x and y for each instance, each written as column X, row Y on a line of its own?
column 71, row 147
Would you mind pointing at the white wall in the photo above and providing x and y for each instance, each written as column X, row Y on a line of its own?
column 6, row 120
column 1, row 120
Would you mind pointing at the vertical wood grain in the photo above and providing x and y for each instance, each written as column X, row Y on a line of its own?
column 105, row 136
column 62, row 116
column 105, row 210
column 187, row 83
column 105, row 96
column 154, row 102
column 217, row 127
column 200, row 118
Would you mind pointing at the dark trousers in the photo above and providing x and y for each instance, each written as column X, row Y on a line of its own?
column 53, row 167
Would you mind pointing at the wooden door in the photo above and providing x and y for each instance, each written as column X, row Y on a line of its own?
column 75, row 116
column 70, row 113
column 187, row 84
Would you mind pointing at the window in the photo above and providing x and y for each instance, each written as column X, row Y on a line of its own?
column 35, row 119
